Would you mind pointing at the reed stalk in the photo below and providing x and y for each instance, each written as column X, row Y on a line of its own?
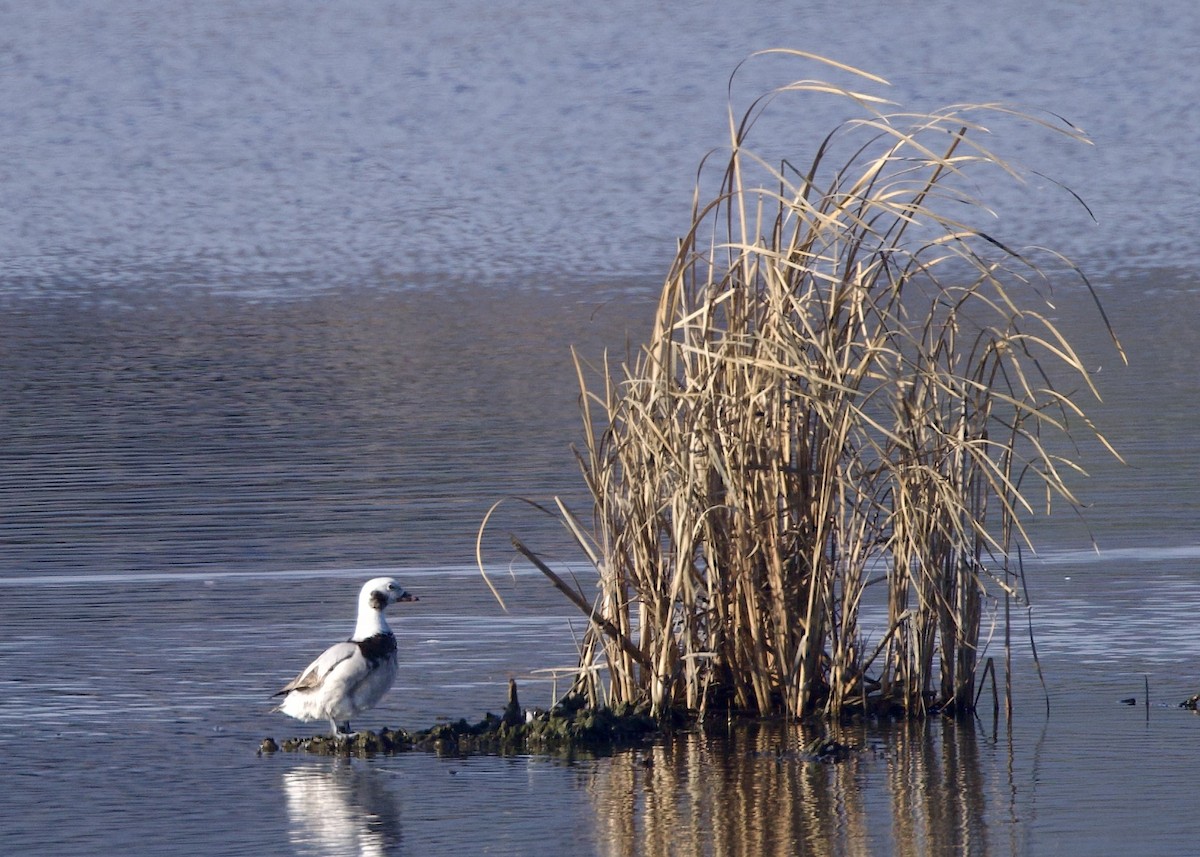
column 847, row 382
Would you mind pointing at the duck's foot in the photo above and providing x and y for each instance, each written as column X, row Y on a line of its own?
column 342, row 730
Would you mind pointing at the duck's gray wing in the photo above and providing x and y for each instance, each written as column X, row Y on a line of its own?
column 315, row 673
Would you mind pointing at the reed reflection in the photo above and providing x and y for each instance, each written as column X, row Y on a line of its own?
column 915, row 788
column 341, row 810
column 938, row 790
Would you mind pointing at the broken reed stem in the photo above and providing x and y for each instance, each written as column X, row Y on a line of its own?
column 575, row 598
column 844, row 381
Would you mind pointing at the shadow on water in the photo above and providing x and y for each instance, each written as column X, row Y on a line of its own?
column 913, row 788
column 342, row 808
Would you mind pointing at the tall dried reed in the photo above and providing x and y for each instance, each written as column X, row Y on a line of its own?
column 847, row 383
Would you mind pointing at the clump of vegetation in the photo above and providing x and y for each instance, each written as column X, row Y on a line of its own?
column 848, row 383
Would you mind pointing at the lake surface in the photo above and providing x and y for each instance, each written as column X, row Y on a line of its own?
column 287, row 297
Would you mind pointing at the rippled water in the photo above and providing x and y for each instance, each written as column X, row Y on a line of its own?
column 273, row 146
column 192, row 492
column 132, row 709
column 286, row 298
column 348, row 430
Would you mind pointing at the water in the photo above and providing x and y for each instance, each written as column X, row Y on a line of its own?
column 276, row 146
column 132, row 709
column 286, row 298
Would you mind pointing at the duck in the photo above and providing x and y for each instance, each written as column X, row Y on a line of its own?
column 352, row 676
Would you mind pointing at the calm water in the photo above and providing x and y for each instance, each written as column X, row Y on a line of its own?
column 287, row 293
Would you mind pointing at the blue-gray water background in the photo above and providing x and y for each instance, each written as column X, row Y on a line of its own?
column 286, row 297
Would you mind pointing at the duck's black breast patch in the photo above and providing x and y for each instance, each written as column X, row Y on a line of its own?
column 377, row 648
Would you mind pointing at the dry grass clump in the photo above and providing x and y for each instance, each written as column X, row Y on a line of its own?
column 847, row 384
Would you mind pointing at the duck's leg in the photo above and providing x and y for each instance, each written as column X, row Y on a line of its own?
column 341, row 730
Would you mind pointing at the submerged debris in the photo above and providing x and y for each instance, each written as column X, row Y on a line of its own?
column 594, row 730
column 359, row 744
column 569, row 727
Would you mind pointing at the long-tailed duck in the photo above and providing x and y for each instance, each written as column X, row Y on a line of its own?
column 350, row 677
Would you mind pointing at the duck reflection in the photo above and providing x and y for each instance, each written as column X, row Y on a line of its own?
column 344, row 809
column 916, row 790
